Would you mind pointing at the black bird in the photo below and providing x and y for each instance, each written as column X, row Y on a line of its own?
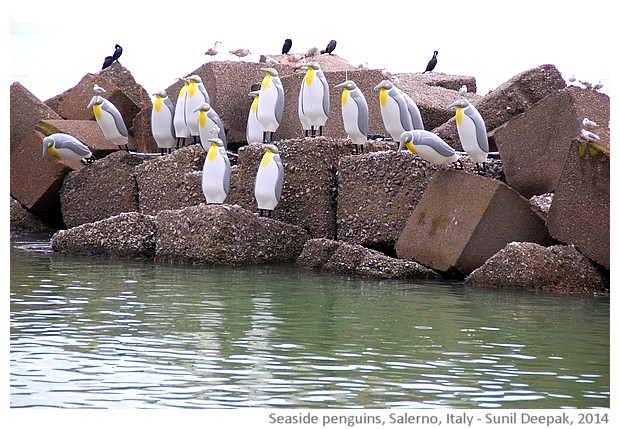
column 117, row 52
column 107, row 62
column 114, row 57
column 287, row 46
column 330, row 47
column 432, row 63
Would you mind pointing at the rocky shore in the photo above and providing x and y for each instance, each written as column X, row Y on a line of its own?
column 537, row 221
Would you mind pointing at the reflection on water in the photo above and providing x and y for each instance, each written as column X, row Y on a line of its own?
column 96, row 333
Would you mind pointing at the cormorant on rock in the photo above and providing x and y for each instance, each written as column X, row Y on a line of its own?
column 432, row 63
column 330, row 47
column 117, row 52
column 107, row 62
column 287, row 46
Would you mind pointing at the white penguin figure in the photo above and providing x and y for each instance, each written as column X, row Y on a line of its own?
column 314, row 97
column 428, row 146
column 472, row 132
column 207, row 121
column 110, row 121
column 354, row 114
column 269, row 180
column 68, row 147
column 180, row 123
column 216, row 172
column 196, row 95
column 162, row 126
column 394, row 111
column 253, row 130
column 270, row 103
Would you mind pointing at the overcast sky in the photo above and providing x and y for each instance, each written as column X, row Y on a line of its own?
column 53, row 44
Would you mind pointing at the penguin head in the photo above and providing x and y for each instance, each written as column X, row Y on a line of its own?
column 270, row 70
column 48, row 145
column 216, row 142
column 96, row 100
column 184, row 80
column 459, row 104
column 384, row 84
column 406, row 138
column 313, row 65
column 160, row 94
column 194, row 78
column 254, row 93
column 270, row 147
column 347, row 84
column 205, row 107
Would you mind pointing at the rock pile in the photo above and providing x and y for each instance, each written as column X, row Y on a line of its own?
column 384, row 213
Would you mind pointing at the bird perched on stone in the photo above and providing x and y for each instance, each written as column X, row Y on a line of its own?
column 98, row 89
column 589, row 136
column 597, row 86
column 390, row 76
column 286, row 47
column 463, row 89
column 472, row 133
column 271, row 61
column 110, row 121
column 118, row 50
column 329, row 48
column 240, row 53
column 310, row 53
column 589, row 124
column 213, row 51
column 68, row 147
column 432, row 63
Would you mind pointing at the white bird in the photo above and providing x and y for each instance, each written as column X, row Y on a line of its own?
column 271, row 61
column 269, row 180
column 312, row 52
column 270, row 103
column 472, row 132
column 110, row 121
column 213, row 51
column 589, row 124
column 98, row 89
column 216, row 173
column 463, row 89
column 597, row 86
column 589, row 136
column 572, row 78
column 390, row 76
column 313, row 101
column 240, row 53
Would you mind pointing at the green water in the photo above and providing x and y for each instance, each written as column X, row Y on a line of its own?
column 95, row 333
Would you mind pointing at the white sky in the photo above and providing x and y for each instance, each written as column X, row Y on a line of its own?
column 491, row 41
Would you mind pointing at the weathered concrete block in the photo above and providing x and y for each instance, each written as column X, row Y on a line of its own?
column 171, row 181
column 463, row 219
column 310, row 181
column 580, row 211
column 21, row 220
column 509, row 100
column 127, row 235
column 26, row 110
column 101, row 190
column 377, row 192
column 534, row 145
column 532, row 267
column 225, row 235
column 36, row 181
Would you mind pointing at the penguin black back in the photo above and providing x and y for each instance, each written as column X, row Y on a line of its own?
column 287, row 46
column 329, row 48
column 432, row 63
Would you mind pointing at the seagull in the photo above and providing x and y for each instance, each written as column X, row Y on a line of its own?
column 589, row 136
column 240, row 52
column 463, row 89
column 271, row 61
column 432, row 63
column 311, row 52
column 363, row 66
column 572, row 78
column 213, row 51
column 329, row 48
column 390, row 76
column 287, row 46
column 597, row 86
column 294, row 58
column 590, row 125
column 98, row 89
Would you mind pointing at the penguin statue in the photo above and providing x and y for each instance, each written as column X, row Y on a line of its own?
column 354, row 114
column 428, row 146
column 110, row 121
column 68, row 147
column 314, row 98
column 253, row 130
column 162, row 122
column 196, row 95
column 394, row 110
column 270, row 103
column 472, row 133
column 216, row 172
column 209, row 126
column 269, row 180
column 181, row 131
